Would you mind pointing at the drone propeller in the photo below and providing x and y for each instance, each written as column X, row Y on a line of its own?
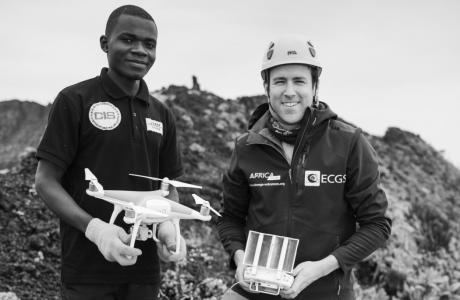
column 89, row 175
column 201, row 201
column 174, row 183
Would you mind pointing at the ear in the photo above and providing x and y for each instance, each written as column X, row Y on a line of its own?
column 103, row 41
column 267, row 93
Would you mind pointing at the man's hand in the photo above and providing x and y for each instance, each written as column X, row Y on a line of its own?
column 166, row 252
column 167, row 235
column 111, row 241
column 308, row 272
column 167, row 244
column 238, row 257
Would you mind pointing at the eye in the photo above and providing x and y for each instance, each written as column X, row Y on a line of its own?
column 150, row 45
column 127, row 40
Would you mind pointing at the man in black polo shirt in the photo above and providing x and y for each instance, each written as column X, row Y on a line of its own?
column 111, row 125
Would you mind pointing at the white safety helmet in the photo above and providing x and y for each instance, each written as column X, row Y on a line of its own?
column 291, row 49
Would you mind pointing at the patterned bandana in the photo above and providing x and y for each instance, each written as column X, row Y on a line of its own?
column 285, row 135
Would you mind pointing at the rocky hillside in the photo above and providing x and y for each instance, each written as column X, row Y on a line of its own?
column 421, row 260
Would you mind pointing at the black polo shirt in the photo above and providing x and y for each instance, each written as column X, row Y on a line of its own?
column 95, row 125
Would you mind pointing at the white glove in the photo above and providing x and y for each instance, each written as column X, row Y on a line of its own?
column 111, row 241
column 166, row 254
column 167, row 234
column 166, row 247
column 238, row 258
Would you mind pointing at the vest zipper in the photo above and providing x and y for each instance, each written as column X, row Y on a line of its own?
column 290, row 189
column 305, row 156
column 301, row 138
column 294, row 174
column 299, row 146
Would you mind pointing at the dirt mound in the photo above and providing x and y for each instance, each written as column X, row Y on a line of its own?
column 421, row 259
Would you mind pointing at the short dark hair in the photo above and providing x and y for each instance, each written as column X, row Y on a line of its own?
column 131, row 10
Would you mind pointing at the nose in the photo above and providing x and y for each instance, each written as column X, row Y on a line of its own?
column 139, row 49
column 289, row 92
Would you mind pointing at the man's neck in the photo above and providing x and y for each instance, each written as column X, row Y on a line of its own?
column 289, row 126
column 129, row 86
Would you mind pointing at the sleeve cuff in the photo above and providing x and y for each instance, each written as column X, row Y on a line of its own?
column 338, row 254
column 42, row 154
column 233, row 248
column 173, row 174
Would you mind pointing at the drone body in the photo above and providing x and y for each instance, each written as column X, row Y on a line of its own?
column 143, row 209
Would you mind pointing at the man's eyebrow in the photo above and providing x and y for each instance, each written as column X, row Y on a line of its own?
column 132, row 35
column 301, row 77
column 127, row 34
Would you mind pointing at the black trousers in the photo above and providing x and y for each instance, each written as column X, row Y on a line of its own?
column 109, row 292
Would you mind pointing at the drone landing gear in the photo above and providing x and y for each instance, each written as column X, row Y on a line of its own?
column 143, row 233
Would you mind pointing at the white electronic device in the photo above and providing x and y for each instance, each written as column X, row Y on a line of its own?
column 269, row 261
column 149, row 208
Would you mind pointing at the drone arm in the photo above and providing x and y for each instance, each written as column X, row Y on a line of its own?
column 136, row 225
column 155, row 232
column 116, row 210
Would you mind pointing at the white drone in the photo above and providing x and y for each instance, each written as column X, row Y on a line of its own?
column 143, row 208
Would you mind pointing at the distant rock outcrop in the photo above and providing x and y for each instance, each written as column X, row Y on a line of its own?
column 21, row 125
column 420, row 261
column 195, row 84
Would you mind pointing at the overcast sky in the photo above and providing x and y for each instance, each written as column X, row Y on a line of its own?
column 386, row 63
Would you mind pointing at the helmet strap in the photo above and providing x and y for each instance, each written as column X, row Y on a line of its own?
column 315, row 103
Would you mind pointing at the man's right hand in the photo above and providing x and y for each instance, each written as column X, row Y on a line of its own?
column 112, row 241
column 238, row 257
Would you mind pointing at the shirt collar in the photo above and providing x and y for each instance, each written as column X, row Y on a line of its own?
column 116, row 92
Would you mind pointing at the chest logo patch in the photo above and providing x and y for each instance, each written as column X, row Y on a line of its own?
column 264, row 179
column 154, row 126
column 316, row 178
column 104, row 115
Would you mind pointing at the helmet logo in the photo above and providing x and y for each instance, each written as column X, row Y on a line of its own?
column 311, row 48
column 292, row 52
column 270, row 50
column 269, row 54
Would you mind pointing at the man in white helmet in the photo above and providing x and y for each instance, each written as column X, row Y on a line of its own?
column 323, row 180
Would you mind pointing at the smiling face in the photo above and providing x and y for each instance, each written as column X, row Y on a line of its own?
column 290, row 92
column 131, row 47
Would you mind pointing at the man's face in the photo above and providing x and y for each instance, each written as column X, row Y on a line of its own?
column 131, row 47
column 291, row 91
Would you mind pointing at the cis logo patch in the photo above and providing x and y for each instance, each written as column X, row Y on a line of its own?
column 104, row 115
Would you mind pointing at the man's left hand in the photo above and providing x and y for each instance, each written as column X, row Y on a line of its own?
column 305, row 273
column 168, row 255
